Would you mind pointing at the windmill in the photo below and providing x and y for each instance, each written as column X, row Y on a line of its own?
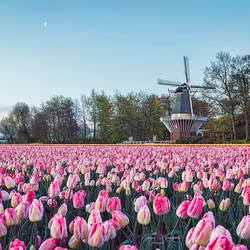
column 182, row 121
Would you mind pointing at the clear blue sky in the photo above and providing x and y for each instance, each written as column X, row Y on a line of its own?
column 107, row 45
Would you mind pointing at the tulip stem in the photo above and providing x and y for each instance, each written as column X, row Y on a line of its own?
column 186, row 230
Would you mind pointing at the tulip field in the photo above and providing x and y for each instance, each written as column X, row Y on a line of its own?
column 124, row 197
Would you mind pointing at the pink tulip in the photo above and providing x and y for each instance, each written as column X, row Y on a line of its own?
column 22, row 211
column 58, row 227
column 140, row 202
column 195, row 207
column 144, row 215
column 72, row 181
column 78, row 199
column 30, row 195
column 221, row 231
column 113, row 203
column 119, row 219
column 189, row 239
column 109, row 230
column 246, row 195
column 79, row 228
column 220, row 243
column 3, row 226
column 9, row 182
column 128, row 247
column 10, row 216
column 17, row 245
column 49, row 244
column 16, row 198
column 54, row 189
column 181, row 211
column 96, row 235
column 94, row 217
column 101, row 201
column 202, row 232
column 161, row 204
column 239, row 247
column 243, row 228
column 36, row 211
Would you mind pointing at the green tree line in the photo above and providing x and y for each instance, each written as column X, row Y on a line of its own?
column 102, row 118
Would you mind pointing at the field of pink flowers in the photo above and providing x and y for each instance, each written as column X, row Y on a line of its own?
column 124, row 197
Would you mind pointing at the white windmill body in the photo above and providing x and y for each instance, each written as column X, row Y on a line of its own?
column 182, row 121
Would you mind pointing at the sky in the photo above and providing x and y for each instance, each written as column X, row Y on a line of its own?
column 65, row 47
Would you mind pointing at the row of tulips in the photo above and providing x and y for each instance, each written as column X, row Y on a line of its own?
column 93, row 197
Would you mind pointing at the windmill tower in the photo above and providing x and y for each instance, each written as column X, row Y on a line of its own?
column 182, row 121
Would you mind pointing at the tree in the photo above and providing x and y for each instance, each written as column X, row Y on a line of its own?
column 8, row 128
column 225, row 97
column 241, row 79
column 103, row 117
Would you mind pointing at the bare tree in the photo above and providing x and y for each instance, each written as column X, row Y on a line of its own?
column 225, row 96
column 241, row 79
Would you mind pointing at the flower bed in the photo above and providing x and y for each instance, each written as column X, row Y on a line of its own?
column 119, row 197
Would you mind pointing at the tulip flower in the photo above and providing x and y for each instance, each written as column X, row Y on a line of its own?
column 140, row 202
column 16, row 198
column 181, row 211
column 96, row 235
column 78, row 199
column 49, row 244
column 113, row 203
column 119, row 219
column 144, row 215
column 74, row 242
column 9, row 182
column 243, row 228
column 221, row 231
column 210, row 204
column 94, row 217
column 101, row 201
column 3, row 226
column 17, row 245
column 128, row 247
column 109, row 230
column 195, row 207
column 36, row 211
column 225, row 204
column 202, row 232
column 239, row 247
column 58, row 227
column 54, row 189
column 10, row 216
column 161, row 204
column 220, row 243
column 63, row 209
column 79, row 228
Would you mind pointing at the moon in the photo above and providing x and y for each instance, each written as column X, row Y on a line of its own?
column 45, row 24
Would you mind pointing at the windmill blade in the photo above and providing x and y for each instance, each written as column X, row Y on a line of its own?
column 169, row 83
column 201, row 87
column 186, row 65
